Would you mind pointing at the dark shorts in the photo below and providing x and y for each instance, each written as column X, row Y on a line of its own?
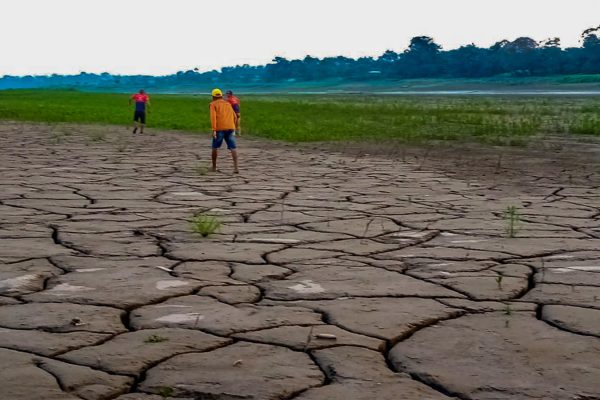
column 229, row 138
column 140, row 116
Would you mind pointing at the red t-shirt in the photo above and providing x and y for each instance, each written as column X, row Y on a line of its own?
column 233, row 100
column 140, row 101
column 140, row 98
column 235, row 103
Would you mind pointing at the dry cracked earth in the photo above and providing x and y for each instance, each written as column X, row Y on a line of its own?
column 331, row 277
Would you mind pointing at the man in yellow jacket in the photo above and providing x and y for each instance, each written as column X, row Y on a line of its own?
column 223, row 120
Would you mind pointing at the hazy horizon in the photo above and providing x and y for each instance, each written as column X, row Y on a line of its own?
column 158, row 38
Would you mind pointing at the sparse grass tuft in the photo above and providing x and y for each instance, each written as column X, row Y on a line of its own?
column 586, row 125
column 121, row 144
column 165, row 391
column 97, row 135
column 511, row 216
column 156, row 339
column 205, row 225
column 58, row 132
column 56, row 137
column 367, row 226
column 201, row 169
column 499, row 279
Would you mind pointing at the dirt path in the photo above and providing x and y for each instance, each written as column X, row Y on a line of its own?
column 333, row 277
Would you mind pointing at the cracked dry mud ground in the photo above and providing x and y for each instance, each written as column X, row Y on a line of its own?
column 332, row 277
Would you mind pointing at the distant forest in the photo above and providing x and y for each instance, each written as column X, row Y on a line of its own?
column 424, row 58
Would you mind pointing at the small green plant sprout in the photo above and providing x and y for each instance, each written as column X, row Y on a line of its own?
column 282, row 214
column 508, row 310
column 121, row 144
column 59, row 129
column 499, row 164
column 56, row 135
column 367, row 226
column 423, row 159
column 165, row 391
column 156, row 339
column 56, row 139
column 512, row 221
column 205, row 225
column 97, row 135
column 499, row 279
column 121, row 147
column 201, row 169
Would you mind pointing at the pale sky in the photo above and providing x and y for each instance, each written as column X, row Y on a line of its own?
column 164, row 36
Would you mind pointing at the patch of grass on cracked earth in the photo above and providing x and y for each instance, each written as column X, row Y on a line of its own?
column 499, row 279
column 205, row 225
column 156, row 339
column 201, row 169
column 165, row 391
column 513, row 221
column 97, row 135
column 121, row 144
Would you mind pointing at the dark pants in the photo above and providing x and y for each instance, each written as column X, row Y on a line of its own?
column 140, row 116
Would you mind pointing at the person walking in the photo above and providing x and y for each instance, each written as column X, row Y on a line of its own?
column 223, row 120
column 235, row 103
column 142, row 102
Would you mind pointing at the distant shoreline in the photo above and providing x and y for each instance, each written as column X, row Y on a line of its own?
column 567, row 85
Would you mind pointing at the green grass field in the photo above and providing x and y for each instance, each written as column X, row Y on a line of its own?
column 508, row 120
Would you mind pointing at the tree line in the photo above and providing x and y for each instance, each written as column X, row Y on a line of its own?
column 423, row 58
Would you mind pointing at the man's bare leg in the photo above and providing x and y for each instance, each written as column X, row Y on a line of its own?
column 135, row 126
column 234, row 157
column 142, row 128
column 214, row 159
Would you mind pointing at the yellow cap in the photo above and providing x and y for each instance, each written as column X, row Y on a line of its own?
column 217, row 93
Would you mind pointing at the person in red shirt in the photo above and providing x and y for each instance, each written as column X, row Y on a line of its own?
column 235, row 103
column 142, row 103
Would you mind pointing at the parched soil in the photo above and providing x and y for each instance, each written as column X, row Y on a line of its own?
column 333, row 276
column 559, row 160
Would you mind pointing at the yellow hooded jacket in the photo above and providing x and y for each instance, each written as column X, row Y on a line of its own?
column 222, row 116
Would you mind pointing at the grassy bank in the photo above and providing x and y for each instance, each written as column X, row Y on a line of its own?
column 498, row 120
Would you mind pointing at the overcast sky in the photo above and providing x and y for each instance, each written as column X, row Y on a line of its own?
column 164, row 36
